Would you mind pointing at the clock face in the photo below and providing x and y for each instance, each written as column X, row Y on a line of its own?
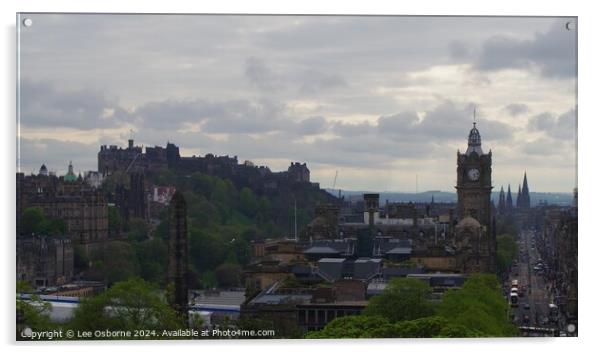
column 473, row 174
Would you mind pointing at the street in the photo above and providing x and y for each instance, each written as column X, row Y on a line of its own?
column 532, row 313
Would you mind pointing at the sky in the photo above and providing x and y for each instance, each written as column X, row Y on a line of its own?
column 383, row 103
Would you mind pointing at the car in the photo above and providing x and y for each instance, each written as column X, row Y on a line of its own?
column 526, row 306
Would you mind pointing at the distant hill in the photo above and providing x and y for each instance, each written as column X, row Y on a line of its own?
column 450, row 197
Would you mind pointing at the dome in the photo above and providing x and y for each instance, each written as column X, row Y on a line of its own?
column 43, row 170
column 468, row 222
column 474, row 140
column 70, row 176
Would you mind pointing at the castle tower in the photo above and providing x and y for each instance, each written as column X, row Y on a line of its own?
column 177, row 271
column 474, row 231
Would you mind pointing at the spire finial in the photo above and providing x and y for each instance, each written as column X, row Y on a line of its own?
column 474, row 117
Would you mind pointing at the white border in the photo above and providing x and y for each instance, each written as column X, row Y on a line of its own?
column 589, row 176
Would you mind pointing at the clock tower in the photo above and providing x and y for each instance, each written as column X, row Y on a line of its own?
column 474, row 230
column 474, row 180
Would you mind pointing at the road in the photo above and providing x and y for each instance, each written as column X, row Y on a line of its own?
column 536, row 298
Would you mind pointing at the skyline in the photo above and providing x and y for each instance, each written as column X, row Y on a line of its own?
column 272, row 90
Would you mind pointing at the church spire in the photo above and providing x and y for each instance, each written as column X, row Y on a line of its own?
column 501, row 204
column 525, row 197
column 509, row 199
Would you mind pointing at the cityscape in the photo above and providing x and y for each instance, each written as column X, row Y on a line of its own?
column 449, row 221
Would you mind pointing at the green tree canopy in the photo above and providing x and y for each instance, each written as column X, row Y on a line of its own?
column 475, row 310
column 115, row 220
column 138, row 229
column 360, row 326
column 507, row 250
column 34, row 314
column 228, row 275
column 478, row 305
column 33, row 221
column 130, row 305
column 152, row 259
column 116, row 261
column 403, row 299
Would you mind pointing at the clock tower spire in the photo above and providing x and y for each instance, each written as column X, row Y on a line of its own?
column 474, row 204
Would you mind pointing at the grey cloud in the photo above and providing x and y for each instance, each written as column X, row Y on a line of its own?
column 45, row 105
column 544, row 147
column 562, row 127
column 230, row 116
column 212, row 70
column 516, row 109
column 353, row 129
column 552, row 52
column 442, row 123
column 56, row 154
column 363, row 152
column 458, row 49
column 401, row 123
column 227, row 117
column 258, row 73
column 315, row 81
column 310, row 126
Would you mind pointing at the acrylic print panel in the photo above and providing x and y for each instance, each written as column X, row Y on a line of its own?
column 230, row 176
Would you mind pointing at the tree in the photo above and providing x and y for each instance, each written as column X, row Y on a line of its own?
column 433, row 327
column 208, row 280
column 403, row 299
column 361, row 326
column 80, row 259
column 53, row 227
column 507, row 250
column 137, row 229
column 34, row 314
column 248, row 202
column 115, row 220
column 114, row 262
column 31, row 221
column 478, row 306
column 152, row 259
column 206, row 250
column 130, row 305
column 228, row 275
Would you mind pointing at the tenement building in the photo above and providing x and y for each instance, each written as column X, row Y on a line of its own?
column 81, row 206
column 44, row 261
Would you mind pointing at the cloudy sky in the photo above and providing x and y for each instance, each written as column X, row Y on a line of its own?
column 381, row 100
